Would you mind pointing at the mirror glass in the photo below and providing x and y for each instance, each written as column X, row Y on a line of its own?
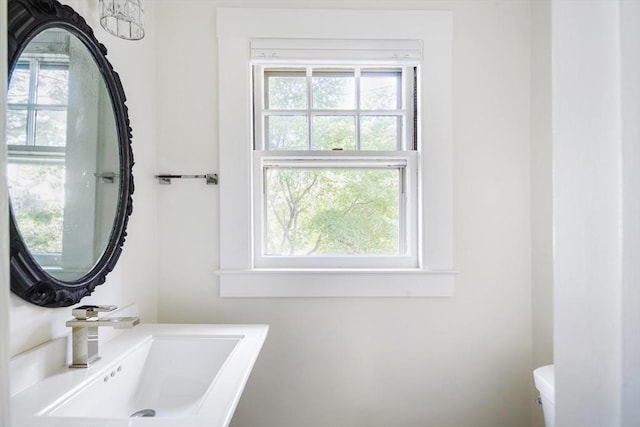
column 63, row 154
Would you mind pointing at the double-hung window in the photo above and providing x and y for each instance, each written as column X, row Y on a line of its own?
column 334, row 165
column 335, row 152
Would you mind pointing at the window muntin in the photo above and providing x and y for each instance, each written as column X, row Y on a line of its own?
column 335, row 184
column 37, row 103
column 36, row 138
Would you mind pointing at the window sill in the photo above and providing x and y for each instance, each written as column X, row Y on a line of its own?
column 336, row 283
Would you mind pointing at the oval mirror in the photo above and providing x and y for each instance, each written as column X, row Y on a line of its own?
column 69, row 156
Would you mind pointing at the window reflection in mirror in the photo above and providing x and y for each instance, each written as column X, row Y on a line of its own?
column 59, row 116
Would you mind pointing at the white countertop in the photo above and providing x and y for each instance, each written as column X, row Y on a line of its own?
column 216, row 411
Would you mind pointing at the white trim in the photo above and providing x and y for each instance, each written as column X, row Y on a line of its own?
column 236, row 27
column 332, row 50
column 291, row 283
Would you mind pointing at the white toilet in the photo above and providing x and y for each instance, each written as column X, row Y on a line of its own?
column 545, row 380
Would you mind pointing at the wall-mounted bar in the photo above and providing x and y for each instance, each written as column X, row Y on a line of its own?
column 165, row 179
column 106, row 177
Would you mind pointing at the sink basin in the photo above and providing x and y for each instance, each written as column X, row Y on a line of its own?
column 170, row 375
column 154, row 374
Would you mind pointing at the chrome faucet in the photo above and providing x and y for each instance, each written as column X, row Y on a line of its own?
column 84, row 329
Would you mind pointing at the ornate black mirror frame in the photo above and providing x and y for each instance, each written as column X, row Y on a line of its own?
column 26, row 19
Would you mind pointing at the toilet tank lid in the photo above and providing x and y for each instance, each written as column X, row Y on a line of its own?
column 545, row 380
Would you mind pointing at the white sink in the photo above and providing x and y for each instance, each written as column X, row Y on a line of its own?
column 187, row 375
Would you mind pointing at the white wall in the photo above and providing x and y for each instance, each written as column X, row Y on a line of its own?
column 541, row 184
column 4, row 225
column 402, row 362
column 596, row 152
column 630, row 133
column 452, row 362
column 541, row 193
column 135, row 276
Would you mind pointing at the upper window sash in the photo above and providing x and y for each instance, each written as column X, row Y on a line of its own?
column 305, row 110
column 34, row 82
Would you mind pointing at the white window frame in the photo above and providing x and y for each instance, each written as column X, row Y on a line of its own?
column 239, row 31
column 402, row 158
column 406, row 161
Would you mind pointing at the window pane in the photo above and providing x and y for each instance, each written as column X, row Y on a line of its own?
column 19, row 85
column 334, row 133
column 51, row 128
column 16, row 127
column 53, row 85
column 37, row 200
column 287, row 92
column 379, row 91
column 332, row 211
column 333, row 90
column 379, row 133
column 286, row 132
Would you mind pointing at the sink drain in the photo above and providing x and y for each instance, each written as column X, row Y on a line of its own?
column 143, row 413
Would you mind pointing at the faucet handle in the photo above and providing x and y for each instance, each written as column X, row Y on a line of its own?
column 89, row 311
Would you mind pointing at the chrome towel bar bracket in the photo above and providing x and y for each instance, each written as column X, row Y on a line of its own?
column 165, row 179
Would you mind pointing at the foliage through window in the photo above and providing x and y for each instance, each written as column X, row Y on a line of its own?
column 334, row 165
column 36, row 137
